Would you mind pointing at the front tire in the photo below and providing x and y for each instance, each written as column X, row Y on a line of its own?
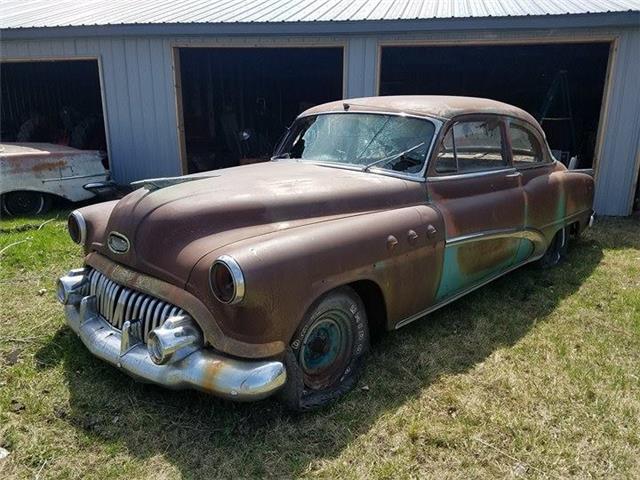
column 326, row 355
column 25, row 203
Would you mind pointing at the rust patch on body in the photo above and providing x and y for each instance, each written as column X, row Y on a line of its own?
column 40, row 167
column 484, row 255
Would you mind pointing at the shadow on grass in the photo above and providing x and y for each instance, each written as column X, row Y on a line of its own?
column 205, row 437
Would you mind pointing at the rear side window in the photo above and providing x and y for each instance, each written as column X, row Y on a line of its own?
column 525, row 146
column 472, row 146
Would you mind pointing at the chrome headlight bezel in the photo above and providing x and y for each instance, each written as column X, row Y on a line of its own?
column 81, row 225
column 232, row 268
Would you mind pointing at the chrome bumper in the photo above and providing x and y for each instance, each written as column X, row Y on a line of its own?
column 202, row 368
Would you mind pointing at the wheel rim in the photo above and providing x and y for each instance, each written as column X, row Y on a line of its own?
column 23, row 203
column 326, row 349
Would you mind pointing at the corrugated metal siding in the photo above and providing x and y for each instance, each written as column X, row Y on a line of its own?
column 618, row 167
column 44, row 13
column 141, row 113
column 138, row 98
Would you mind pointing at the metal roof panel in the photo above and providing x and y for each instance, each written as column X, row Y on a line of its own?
column 61, row 13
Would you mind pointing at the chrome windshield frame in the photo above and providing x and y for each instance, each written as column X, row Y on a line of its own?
column 416, row 177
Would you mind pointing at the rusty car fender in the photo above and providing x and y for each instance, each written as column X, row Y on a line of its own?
column 285, row 272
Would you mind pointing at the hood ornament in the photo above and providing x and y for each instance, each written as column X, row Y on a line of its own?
column 118, row 243
column 152, row 184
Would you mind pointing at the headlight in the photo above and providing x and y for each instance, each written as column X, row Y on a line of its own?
column 226, row 280
column 77, row 227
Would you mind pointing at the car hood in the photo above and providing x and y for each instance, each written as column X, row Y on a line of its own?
column 169, row 229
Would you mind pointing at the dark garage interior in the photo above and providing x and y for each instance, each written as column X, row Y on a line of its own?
column 561, row 85
column 54, row 101
column 237, row 102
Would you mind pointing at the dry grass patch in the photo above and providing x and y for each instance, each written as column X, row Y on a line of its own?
column 533, row 376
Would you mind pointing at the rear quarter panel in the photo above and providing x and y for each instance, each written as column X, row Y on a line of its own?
column 555, row 197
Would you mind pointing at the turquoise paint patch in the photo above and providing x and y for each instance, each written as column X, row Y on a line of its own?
column 525, row 250
column 453, row 280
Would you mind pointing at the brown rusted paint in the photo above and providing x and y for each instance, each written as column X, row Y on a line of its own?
column 40, row 167
column 183, row 299
column 481, row 256
column 300, row 230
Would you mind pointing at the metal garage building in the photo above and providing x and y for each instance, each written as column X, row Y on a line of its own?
column 173, row 87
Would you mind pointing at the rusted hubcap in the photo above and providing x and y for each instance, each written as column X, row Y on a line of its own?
column 326, row 349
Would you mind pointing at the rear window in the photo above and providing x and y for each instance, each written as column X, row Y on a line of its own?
column 525, row 147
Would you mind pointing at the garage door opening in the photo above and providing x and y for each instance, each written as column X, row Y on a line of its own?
column 56, row 102
column 237, row 102
column 561, row 85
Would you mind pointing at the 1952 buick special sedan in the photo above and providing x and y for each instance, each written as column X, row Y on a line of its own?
column 271, row 277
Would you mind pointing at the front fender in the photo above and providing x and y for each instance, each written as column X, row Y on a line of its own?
column 286, row 271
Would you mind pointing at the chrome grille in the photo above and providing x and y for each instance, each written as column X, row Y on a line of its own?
column 117, row 304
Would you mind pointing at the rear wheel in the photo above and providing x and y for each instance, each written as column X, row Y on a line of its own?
column 326, row 355
column 25, row 203
column 557, row 249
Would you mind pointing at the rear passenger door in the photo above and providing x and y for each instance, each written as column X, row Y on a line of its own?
column 477, row 190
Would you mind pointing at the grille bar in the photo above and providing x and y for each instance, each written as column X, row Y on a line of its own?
column 117, row 304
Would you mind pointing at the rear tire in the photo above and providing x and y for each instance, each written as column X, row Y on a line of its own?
column 326, row 355
column 557, row 249
column 25, row 203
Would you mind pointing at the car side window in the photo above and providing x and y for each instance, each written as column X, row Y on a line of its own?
column 472, row 146
column 525, row 147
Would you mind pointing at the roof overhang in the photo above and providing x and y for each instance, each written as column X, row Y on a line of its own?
column 629, row 19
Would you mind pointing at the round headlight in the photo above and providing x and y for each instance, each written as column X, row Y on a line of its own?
column 226, row 280
column 77, row 227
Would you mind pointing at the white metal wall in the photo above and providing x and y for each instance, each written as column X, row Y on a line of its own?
column 140, row 103
column 619, row 161
column 137, row 93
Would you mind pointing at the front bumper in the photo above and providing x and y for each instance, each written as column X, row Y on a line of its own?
column 201, row 368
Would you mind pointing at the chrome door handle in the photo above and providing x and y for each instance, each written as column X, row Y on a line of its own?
column 513, row 175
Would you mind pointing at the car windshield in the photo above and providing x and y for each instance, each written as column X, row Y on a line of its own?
column 367, row 140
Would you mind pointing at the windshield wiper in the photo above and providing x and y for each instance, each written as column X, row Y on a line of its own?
column 392, row 157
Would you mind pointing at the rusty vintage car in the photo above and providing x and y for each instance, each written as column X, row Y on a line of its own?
column 271, row 277
column 32, row 174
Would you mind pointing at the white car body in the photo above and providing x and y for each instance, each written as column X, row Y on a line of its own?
column 53, row 169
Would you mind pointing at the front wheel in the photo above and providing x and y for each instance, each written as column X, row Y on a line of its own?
column 25, row 203
column 326, row 355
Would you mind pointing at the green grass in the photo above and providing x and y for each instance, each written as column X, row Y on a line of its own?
column 533, row 376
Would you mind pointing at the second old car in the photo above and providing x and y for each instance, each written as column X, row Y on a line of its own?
column 271, row 277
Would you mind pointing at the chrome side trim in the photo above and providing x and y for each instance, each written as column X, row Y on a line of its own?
column 203, row 369
column 457, row 176
column 534, row 235
column 74, row 177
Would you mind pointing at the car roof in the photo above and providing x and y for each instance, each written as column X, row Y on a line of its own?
column 439, row 106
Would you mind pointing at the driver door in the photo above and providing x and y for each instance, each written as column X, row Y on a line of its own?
column 473, row 184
